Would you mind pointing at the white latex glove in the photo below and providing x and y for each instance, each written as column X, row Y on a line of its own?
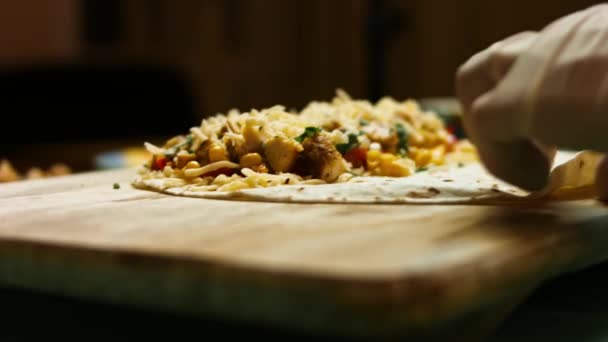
column 532, row 92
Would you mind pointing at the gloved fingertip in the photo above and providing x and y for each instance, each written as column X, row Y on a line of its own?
column 534, row 176
column 523, row 164
column 601, row 180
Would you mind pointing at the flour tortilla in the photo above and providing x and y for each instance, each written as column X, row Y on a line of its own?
column 573, row 177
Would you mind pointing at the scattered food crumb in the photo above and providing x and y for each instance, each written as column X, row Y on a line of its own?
column 116, row 186
column 431, row 192
column 434, row 191
column 9, row 174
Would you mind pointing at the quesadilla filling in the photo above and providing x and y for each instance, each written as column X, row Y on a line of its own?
column 326, row 142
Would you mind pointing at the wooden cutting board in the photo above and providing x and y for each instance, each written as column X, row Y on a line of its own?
column 348, row 270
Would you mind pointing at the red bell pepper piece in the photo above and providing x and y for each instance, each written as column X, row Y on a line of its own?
column 357, row 157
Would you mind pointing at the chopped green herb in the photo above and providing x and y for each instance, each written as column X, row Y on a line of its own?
column 402, row 135
column 422, row 169
column 308, row 132
column 171, row 152
column 116, row 186
column 460, row 164
column 363, row 122
column 352, row 142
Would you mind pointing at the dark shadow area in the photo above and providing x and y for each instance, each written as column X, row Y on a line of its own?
column 71, row 113
column 33, row 316
column 71, row 103
column 573, row 307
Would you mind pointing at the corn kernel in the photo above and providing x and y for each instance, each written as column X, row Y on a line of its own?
column 443, row 136
column 415, row 139
column 373, row 155
column 217, row 153
column 395, row 171
column 387, row 158
column 402, row 168
column 381, row 163
column 192, row 165
column 261, row 168
column 422, row 157
column 385, row 161
column 373, row 161
column 437, row 155
column 251, row 159
column 465, row 146
column 430, row 139
column 182, row 158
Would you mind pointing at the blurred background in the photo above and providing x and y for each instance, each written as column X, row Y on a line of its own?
column 85, row 82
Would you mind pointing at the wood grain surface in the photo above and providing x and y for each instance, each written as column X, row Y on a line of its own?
column 349, row 270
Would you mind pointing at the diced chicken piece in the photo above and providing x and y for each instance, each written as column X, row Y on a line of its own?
column 252, row 136
column 322, row 159
column 281, row 153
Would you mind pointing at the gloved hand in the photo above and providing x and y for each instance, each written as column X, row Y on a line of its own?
column 536, row 91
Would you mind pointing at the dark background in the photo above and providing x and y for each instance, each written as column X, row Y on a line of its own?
column 80, row 77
